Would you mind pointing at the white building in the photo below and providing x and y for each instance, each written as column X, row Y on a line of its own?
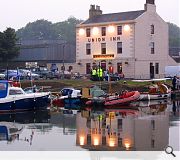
column 135, row 42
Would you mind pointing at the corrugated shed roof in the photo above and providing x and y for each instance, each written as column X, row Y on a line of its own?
column 114, row 17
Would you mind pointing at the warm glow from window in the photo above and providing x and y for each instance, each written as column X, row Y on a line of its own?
column 95, row 31
column 126, row 28
column 81, row 139
column 96, row 141
column 111, row 29
column 81, row 31
column 127, row 145
column 111, row 142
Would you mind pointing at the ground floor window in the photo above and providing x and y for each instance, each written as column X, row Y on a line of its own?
column 88, row 68
column 157, row 68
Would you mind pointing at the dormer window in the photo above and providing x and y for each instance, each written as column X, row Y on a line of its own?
column 88, row 32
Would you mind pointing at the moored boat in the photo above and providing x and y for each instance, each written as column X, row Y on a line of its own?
column 115, row 101
column 13, row 99
column 68, row 96
column 156, row 93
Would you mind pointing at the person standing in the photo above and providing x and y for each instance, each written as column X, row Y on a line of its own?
column 94, row 74
column 178, row 83
column 174, row 81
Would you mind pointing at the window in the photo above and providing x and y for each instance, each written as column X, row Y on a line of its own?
column 103, row 31
column 88, row 48
column 120, row 124
column 157, row 68
column 152, row 47
column 152, row 29
column 88, row 68
column 119, row 47
column 119, row 30
column 153, row 124
column 15, row 92
column 88, row 32
column 152, row 143
column 103, row 48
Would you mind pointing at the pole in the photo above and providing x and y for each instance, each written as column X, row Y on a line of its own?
column 63, row 61
column 7, row 68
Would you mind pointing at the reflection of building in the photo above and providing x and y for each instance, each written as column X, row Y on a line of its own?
column 122, row 130
column 125, row 41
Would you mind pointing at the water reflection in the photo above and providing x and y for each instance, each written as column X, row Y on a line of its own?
column 144, row 126
column 141, row 128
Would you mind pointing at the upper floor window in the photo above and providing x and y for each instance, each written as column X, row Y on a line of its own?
column 119, row 47
column 152, row 29
column 103, row 48
column 103, row 31
column 88, row 32
column 88, row 48
column 119, row 30
column 152, row 48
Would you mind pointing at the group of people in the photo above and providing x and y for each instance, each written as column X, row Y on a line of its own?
column 176, row 83
column 97, row 74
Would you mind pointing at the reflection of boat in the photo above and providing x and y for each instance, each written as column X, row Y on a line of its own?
column 125, row 98
column 15, row 99
column 154, row 94
column 149, row 103
column 9, row 130
column 39, row 116
column 69, row 96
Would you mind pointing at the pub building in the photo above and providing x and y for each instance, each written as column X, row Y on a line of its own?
column 134, row 43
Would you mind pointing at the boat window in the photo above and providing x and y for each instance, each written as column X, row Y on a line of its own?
column 15, row 92
column 66, row 92
column 3, row 90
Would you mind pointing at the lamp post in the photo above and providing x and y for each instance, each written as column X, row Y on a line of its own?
column 63, row 62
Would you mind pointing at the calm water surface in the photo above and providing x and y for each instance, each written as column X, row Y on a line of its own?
column 144, row 126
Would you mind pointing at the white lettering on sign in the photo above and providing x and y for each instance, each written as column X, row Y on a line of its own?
column 103, row 39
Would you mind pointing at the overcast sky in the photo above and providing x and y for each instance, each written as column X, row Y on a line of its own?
column 17, row 13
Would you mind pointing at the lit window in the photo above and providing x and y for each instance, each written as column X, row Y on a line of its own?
column 119, row 47
column 111, row 29
column 81, row 31
column 103, row 31
column 88, row 32
column 103, row 48
column 119, row 30
column 88, row 49
column 152, row 29
column 126, row 28
column 95, row 31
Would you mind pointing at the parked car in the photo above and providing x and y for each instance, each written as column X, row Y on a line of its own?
column 13, row 74
column 2, row 76
column 44, row 73
column 29, row 75
column 114, row 77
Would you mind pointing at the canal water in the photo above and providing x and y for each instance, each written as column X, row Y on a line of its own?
column 144, row 126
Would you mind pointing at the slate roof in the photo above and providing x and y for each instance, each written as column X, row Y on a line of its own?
column 114, row 17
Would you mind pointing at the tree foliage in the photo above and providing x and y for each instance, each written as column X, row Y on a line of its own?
column 174, row 35
column 8, row 45
column 43, row 30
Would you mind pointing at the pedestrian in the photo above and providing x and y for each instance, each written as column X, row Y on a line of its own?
column 174, row 81
column 178, row 83
column 94, row 73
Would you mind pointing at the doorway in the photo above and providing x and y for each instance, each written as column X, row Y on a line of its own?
column 151, row 71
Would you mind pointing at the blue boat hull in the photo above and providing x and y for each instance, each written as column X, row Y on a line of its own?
column 25, row 104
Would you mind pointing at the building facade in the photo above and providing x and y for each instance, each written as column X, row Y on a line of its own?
column 134, row 43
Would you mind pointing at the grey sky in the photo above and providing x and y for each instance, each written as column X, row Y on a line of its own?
column 17, row 13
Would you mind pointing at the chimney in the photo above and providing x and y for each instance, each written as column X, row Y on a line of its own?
column 150, row 6
column 94, row 11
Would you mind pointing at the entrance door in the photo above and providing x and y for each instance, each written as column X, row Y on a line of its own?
column 103, row 65
column 151, row 71
column 119, row 68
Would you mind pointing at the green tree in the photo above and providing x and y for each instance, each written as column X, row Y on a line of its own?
column 45, row 30
column 8, row 45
